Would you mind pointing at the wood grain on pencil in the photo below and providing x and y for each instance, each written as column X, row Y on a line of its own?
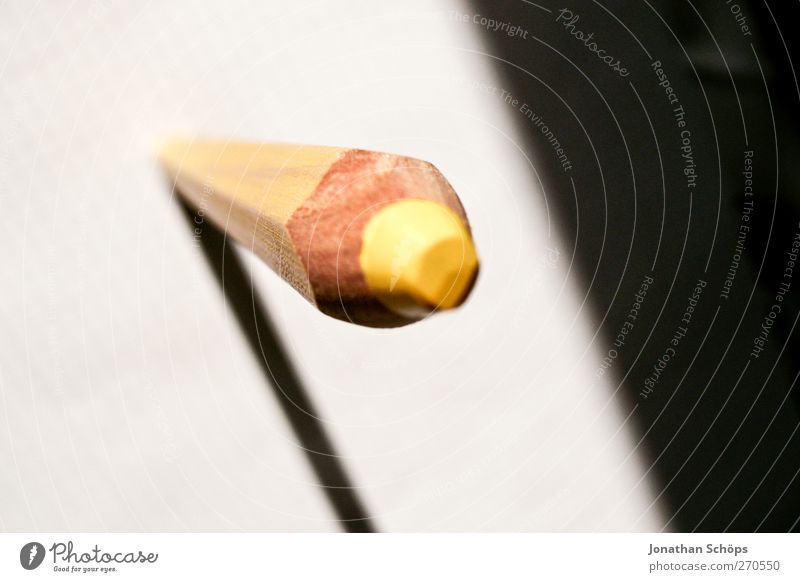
column 373, row 238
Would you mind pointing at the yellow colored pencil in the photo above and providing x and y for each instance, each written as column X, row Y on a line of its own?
column 372, row 238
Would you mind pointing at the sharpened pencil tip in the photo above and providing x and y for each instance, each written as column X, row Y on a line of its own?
column 417, row 256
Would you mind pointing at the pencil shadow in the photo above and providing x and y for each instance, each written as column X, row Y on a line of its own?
column 294, row 400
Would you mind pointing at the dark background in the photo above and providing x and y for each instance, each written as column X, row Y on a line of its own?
column 720, row 426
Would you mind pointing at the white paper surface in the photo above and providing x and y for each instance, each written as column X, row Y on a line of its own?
column 129, row 399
